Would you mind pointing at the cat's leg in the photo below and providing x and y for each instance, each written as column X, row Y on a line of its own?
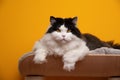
column 40, row 56
column 40, row 52
column 71, row 57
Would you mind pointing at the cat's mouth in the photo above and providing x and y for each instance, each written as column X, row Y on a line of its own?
column 63, row 40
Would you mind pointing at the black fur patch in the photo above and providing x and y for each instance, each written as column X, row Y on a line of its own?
column 113, row 45
column 93, row 42
column 68, row 22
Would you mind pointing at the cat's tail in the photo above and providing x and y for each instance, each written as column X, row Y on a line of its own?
column 113, row 45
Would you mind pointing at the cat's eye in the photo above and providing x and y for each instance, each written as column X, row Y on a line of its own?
column 58, row 30
column 68, row 30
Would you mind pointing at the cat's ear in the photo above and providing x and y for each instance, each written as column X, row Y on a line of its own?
column 74, row 20
column 52, row 20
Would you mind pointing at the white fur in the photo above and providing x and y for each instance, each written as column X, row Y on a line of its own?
column 70, row 47
column 74, row 55
column 58, row 36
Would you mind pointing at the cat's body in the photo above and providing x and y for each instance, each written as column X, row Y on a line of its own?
column 64, row 39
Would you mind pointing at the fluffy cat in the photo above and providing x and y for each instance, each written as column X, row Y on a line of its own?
column 63, row 38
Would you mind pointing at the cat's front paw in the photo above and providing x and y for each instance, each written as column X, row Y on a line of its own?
column 39, row 60
column 69, row 66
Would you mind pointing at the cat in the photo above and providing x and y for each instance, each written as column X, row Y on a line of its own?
column 63, row 38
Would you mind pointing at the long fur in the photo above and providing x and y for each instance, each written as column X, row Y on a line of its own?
column 63, row 38
column 113, row 45
column 93, row 42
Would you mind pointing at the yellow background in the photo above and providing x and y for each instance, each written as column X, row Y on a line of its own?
column 22, row 22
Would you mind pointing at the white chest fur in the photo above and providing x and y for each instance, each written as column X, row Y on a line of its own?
column 57, row 48
column 71, row 51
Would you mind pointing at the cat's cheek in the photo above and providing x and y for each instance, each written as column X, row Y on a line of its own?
column 73, row 37
column 58, row 39
column 69, row 38
column 54, row 35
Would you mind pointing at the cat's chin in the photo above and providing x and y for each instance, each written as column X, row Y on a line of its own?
column 63, row 41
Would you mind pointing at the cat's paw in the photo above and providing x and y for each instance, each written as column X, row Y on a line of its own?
column 69, row 66
column 39, row 60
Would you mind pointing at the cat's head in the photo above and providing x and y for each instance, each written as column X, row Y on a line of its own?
column 63, row 29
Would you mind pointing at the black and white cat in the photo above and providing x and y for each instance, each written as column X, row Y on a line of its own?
column 63, row 38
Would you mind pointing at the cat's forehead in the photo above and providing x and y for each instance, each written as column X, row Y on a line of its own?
column 63, row 28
